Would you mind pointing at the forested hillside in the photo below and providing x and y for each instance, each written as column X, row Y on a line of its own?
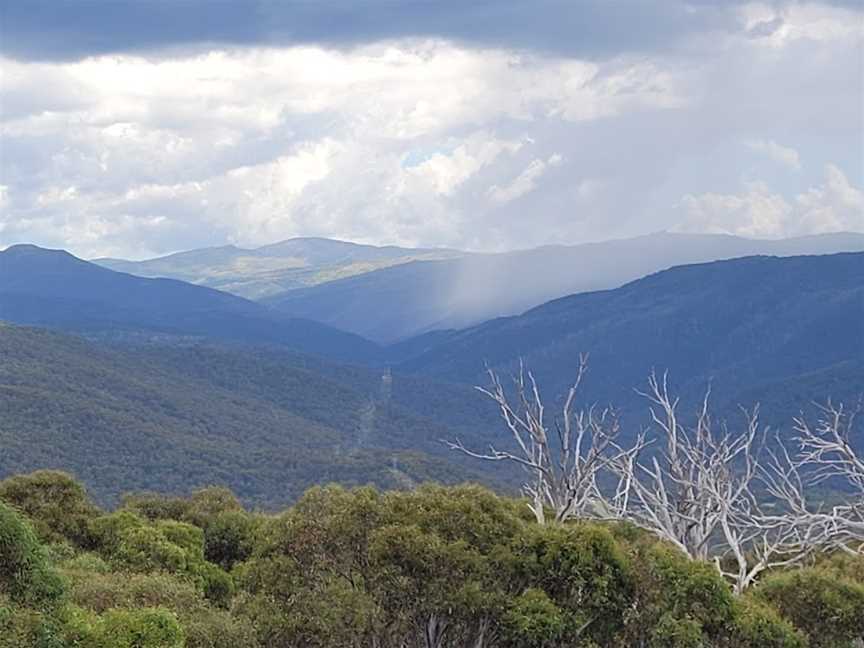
column 170, row 412
column 783, row 330
column 257, row 420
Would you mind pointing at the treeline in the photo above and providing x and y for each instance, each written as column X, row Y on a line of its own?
column 431, row 568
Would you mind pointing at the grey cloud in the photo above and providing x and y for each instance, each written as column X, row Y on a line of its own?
column 640, row 160
column 62, row 30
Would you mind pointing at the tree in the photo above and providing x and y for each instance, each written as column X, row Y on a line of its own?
column 563, row 463
column 827, row 449
column 704, row 492
column 700, row 489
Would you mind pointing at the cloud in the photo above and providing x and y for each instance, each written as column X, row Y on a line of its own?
column 50, row 30
column 525, row 181
column 384, row 143
column 783, row 155
column 833, row 206
column 430, row 141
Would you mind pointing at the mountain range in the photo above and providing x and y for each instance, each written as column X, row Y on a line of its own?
column 746, row 326
column 410, row 299
column 387, row 294
column 272, row 269
column 55, row 289
column 177, row 385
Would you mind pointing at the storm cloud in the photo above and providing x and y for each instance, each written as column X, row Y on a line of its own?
column 51, row 30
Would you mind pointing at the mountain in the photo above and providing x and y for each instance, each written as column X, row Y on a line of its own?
column 55, row 289
column 265, row 422
column 395, row 303
column 757, row 328
column 271, row 269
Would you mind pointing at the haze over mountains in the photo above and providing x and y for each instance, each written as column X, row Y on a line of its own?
column 406, row 300
column 745, row 326
column 234, row 389
column 388, row 294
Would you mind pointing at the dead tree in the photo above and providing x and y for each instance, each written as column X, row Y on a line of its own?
column 703, row 492
column 718, row 496
column 563, row 458
column 827, row 451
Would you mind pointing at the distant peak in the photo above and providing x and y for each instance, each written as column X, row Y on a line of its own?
column 22, row 249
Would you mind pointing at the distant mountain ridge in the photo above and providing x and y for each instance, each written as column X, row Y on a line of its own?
column 749, row 326
column 226, row 387
column 403, row 301
column 52, row 288
column 256, row 273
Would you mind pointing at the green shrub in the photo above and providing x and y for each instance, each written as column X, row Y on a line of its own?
column 584, row 572
column 533, row 620
column 99, row 592
column 26, row 578
column 759, row 626
column 22, row 627
column 143, row 628
column 207, row 504
column 147, row 549
column 229, row 538
column 676, row 601
column 155, row 506
column 217, row 585
column 107, row 531
column 828, row 609
column 87, row 562
column 57, row 505
column 189, row 538
column 211, row 628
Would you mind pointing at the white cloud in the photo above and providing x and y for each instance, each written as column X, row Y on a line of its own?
column 524, row 182
column 833, row 206
column 783, row 155
column 780, row 26
column 428, row 142
column 444, row 172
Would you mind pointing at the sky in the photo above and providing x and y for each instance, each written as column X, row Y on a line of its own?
column 136, row 129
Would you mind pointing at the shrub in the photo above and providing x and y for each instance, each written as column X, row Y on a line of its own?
column 57, row 505
column 26, row 578
column 229, row 538
column 107, row 531
column 100, row 592
column 210, row 628
column 143, row 628
column 584, row 572
column 533, row 620
column 676, row 601
column 759, row 626
column 187, row 537
column 147, row 549
column 829, row 610
column 218, row 586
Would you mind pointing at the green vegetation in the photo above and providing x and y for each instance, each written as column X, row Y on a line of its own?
column 266, row 423
column 435, row 566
